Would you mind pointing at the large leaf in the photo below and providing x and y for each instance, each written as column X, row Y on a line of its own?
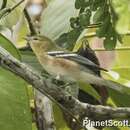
column 13, row 17
column 14, row 104
column 55, row 18
column 29, row 58
column 124, row 72
column 122, row 8
column 1, row 2
column 90, row 90
column 59, row 119
column 8, row 45
column 15, row 113
column 119, row 98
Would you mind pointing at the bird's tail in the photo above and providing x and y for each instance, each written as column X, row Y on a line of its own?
column 93, row 79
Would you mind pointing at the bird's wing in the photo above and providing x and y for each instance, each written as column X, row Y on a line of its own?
column 75, row 57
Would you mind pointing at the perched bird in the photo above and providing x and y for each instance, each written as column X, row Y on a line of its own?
column 68, row 66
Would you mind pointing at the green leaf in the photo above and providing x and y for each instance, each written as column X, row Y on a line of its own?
column 9, row 46
column 98, row 16
column 74, row 22
column 29, row 58
column 122, row 9
column 110, row 43
column 78, row 4
column 124, row 72
column 82, row 3
column 1, row 2
column 101, row 32
column 72, row 37
column 84, row 18
column 55, row 18
column 120, row 99
column 12, row 18
column 123, row 88
column 90, row 90
column 59, row 119
column 14, row 105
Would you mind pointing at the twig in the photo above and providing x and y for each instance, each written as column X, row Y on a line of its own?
column 15, row 6
column 30, row 23
column 6, row 11
column 65, row 99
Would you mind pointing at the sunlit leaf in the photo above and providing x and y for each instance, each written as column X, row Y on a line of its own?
column 13, row 96
column 12, row 18
column 8, row 45
column 124, row 72
column 1, row 2
column 59, row 119
column 122, row 8
column 14, row 106
column 29, row 58
column 90, row 90
column 55, row 18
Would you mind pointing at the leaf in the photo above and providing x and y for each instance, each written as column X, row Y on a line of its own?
column 12, row 18
column 84, row 18
column 29, row 58
column 73, row 35
column 98, row 16
column 78, row 4
column 113, row 76
column 122, row 9
column 8, row 45
column 59, row 119
column 110, row 43
column 1, row 2
column 101, row 32
column 80, row 40
column 55, row 18
column 119, row 98
column 14, row 106
column 90, row 90
column 124, row 72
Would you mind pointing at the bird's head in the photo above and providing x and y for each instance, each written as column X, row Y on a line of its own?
column 40, row 42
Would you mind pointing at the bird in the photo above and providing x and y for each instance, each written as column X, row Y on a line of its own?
column 66, row 65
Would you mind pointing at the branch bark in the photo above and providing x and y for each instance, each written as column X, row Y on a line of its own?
column 46, row 87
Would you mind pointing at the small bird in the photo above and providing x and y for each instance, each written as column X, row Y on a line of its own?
column 68, row 66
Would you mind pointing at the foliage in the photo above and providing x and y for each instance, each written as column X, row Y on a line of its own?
column 65, row 22
column 14, row 104
column 97, row 12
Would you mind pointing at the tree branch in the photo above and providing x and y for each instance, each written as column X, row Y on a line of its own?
column 46, row 87
column 30, row 23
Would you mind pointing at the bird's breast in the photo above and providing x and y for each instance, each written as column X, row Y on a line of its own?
column 59, row 66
